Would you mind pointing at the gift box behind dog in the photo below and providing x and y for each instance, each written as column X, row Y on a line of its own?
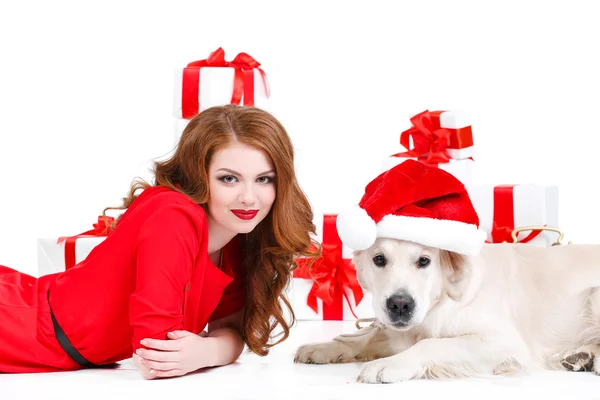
column 328, row 289
column 443, row 139
column 502, row 208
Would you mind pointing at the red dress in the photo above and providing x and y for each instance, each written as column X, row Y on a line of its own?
column 151, row 275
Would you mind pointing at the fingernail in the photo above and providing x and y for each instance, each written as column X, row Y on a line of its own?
column 138, row 351
column 143, row 341
column 152, row 371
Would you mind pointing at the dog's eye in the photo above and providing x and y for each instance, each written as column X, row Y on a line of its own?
column 423, row 262
column 379, row 260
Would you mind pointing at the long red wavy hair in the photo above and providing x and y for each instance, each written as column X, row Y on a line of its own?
column 284, row 234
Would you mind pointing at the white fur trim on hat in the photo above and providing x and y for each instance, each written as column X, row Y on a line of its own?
column 455, row 236
column 356, row 229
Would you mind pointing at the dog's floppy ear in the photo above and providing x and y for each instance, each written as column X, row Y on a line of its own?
column 456, row 271
column 358, row 258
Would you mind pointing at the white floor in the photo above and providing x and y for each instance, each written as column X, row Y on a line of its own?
column 277, row 377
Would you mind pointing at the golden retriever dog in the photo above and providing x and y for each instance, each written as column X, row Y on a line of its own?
column 513, row 308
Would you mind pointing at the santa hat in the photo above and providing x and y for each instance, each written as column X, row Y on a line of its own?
column 417, row 203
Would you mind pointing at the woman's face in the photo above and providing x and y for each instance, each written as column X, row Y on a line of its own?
column 242, row 187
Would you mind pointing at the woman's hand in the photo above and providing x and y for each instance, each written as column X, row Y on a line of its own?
column 182, row 353
column 143, row 369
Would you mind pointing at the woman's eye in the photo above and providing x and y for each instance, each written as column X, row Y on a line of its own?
column 379, row 260
column 228, row 179
column 423, row 262
column 265, row 179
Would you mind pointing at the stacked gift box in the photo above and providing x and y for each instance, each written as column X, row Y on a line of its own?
column 215, row 82
column 440, row 138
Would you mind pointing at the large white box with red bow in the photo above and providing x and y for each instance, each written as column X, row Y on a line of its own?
column 329, row 290
column 214, row 82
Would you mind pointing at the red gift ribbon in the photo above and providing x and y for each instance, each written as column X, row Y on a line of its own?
column 504, row 216
column 243, row 81
column 431, row 141
column 101, row 228
column 331, row 274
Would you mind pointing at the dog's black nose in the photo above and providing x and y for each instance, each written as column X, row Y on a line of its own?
column 400, row 307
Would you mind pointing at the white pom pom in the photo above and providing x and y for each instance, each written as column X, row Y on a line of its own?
column 356, row 229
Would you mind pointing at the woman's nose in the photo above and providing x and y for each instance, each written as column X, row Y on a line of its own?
column 248, row 196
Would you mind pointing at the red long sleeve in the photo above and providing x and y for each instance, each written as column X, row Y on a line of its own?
column 167, row 248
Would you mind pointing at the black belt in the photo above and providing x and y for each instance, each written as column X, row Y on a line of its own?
column 66, row 344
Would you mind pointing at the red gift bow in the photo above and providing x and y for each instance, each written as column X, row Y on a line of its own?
column 430, row 140
column 331, row 274
column 101, row 228
column 243, row 81
column 504, row 217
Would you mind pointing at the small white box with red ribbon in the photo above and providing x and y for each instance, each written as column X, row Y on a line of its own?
column 328, row 289
column 214, row 82
column 504, row 208
column 58, row 255
column 440, row 138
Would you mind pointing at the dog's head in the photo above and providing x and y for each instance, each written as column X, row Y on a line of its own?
column 407, row 279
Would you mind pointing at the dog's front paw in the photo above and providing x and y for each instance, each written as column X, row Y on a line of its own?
column 385, row 371
column 324, row 353
column 580, row 359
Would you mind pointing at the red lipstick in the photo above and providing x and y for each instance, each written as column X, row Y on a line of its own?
column 245, row 214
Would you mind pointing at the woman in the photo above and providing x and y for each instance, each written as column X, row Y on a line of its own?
column 210, row 244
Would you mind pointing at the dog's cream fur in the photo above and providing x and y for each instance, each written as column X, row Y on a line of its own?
column 511, row 309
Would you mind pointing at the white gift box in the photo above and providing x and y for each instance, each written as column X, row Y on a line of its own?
column 216, row 86
column 529, row 204
column 456, row 120
column 461, row 169
column 299, row 289
column 51, row 255
column 421, row 137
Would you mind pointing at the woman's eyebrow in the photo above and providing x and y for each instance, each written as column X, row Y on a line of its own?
column 237, row 173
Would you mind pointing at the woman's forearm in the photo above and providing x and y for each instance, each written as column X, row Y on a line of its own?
column 228, row 345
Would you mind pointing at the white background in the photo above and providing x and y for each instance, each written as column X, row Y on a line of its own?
column 86, row 92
